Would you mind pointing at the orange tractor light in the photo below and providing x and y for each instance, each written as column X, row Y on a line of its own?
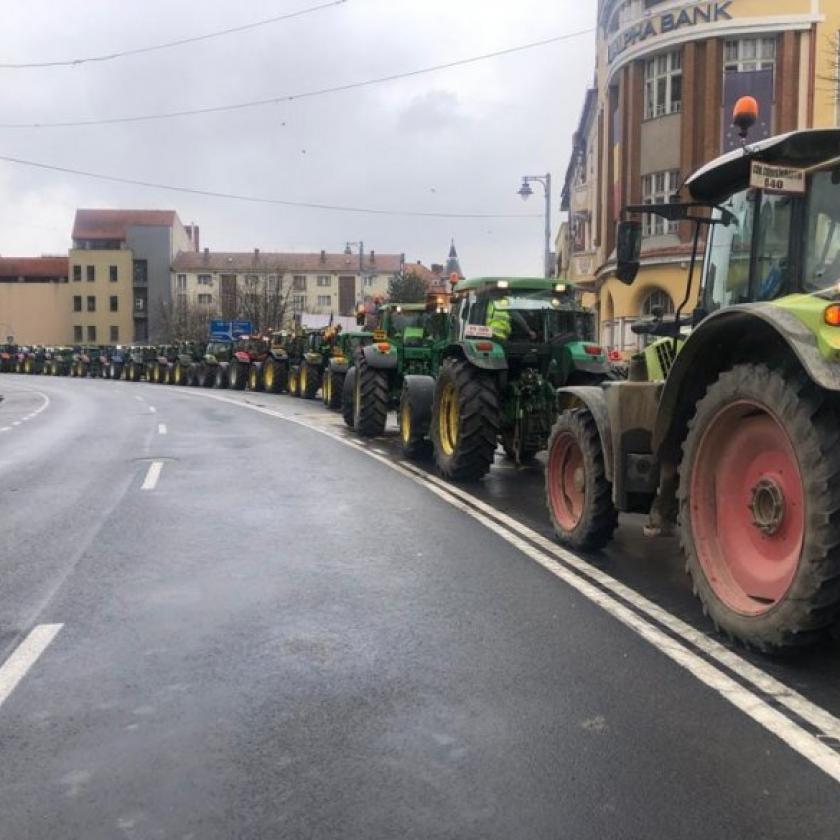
column 383, row 347
column 745, row 114
column 832, row 315
column 484, row 346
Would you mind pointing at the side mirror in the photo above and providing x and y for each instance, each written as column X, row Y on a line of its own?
column 628, row 250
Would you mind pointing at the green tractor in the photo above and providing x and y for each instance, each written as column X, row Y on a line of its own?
column 212, row 369
column 138, row 362
column 511, row 343
column 728, row 428
column 87, row 362
column 188, row 355
column 32, row 361
column 310, row 352
column 269, row 370
column 60, row 361
column 406, row 350
column 7, row 357
column 161, row 368
column 345, row 350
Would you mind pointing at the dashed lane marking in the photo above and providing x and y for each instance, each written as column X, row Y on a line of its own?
column 15, row 668
column 161, row 428
column 152, row 476
column 152, row 410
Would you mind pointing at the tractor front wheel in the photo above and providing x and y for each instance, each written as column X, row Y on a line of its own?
column 237, row 376
column 255, row 377
column 577, row 491
column 332, row 389
column 348, row 390
column 465, row 421
column 215, row 377
column 310, row 381
column 416, row 401
column 759, row 507
column 275, row 377
column 294, row 381
column 370, row 399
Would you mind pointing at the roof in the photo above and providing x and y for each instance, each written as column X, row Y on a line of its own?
column 114, row 224
column 34, row 266
column 726, row 175
column 290, row 263
column 532, row 283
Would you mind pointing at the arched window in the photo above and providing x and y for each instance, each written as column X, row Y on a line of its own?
column 657, row 298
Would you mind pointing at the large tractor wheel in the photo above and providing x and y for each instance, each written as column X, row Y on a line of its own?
column 294, row 381
column 116, row 371
column 332, row 389
column 310, row 381
column 348, row 389
column 154, row 373
column 416, row 401
column 370, row 399
column 178, row 375
column 275, row 377
column 255, row 378
column 759, row 507
column 237, row 376
column 465, row 421
column 218, row 377
column 83, row 370
column 28, row 367
column 577, row 491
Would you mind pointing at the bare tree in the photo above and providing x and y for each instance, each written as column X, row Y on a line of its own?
column 833, row 76
column 264, row 301
column 185, row 320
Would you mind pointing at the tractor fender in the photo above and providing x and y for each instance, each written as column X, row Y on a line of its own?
column 594, row 400
column 494, row 359
column 737, row 333
column 338, row 365
column 375, row 358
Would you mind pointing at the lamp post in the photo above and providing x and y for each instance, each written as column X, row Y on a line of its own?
column 526, row 192
column 348, row 250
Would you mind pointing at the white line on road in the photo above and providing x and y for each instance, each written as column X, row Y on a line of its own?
column 161, row 428
column 152, row 410
column 16, row 423
column 139, row 398
column 24, row 657
column 152, row 475
column 6, row 429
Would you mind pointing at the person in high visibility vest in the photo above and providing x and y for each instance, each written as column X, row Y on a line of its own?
column 499, row 319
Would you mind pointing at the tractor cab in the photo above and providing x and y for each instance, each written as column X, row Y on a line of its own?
column 219, row 351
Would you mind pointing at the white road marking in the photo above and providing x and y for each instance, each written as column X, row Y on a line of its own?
column 26, row 654
column 152, row 475
column 580, row 578
column 16, row 423
column 161, row 428
column 33, row 414
column 138, row 397
column 152, row 410
column 6, row 429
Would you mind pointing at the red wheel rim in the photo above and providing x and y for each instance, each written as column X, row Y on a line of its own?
column 747, row 508
column 566, row 481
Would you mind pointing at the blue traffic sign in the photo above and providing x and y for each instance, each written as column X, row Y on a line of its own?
column 230, row 330
column 240, row 328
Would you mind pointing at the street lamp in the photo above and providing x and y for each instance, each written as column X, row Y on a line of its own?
column 348, row 250
column 526, row 192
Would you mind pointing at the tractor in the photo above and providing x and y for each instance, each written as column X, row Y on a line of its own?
column 727, row 429
column 309, row 355
column 269, row 369
column 185, row 368
column 511, row 343
column 87, row 362
column 408, row 344
column 212, row 368
column 60, row 361
column 139, row 362
column 346, row 348
column 31, row 360
column 115, row 359
column 237, row 370
column 160, row 370
column 7, row 357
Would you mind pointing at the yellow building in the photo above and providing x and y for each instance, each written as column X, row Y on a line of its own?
column 667, row 75
column 34, row 295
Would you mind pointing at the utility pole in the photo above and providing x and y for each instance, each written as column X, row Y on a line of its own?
column 526, row 192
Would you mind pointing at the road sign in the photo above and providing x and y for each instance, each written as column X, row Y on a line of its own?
column 240, row 328
column 220, row 330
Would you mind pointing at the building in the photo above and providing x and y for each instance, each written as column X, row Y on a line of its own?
column 667, row 75
column 120, row 288
column 268, row 288
column 34, row 296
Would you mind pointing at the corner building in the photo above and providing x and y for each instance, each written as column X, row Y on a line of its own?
column 667, row 75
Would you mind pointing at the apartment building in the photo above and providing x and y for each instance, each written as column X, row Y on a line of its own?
column 34, row 295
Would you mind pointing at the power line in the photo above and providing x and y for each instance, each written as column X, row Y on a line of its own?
column 74, row 62
column 291, row 97
column 262, row 200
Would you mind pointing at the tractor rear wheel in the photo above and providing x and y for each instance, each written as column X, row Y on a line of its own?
column 255, row 377
column 333, row 387
column 274, row 377
column 237, row 376
column 116, row 371
column 216, row 377
column 577, row 491
column 416, row 401
column 465, row 421
column 759, row 507
column 294, row 381
column 370, row 399
column 176, row 377
column 310, row 381
column 348, row 389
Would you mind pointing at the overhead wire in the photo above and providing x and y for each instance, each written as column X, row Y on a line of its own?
column 291, row 97
column 74, row 62
column 262, row 199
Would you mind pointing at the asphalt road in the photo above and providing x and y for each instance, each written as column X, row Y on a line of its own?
column 222, row 618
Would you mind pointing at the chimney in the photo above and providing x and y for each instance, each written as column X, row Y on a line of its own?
column 194, row 236
column 256, row 254
column 206, row 255
column 323, row 256
column 372, row 256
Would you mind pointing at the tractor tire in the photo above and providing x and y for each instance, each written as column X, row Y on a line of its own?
column 178, row 375
column 577, row 491
column 332, row 389
column 416, row 400
column 370, row 399
column 255, row 377
column 83, row 371
column 310, row 381
column 275, row 377
column 237, row 377
column 465, row 421
column 116, row 371
column 348, row 389
column 294, row 381
column 759, row 502
column 218, row 377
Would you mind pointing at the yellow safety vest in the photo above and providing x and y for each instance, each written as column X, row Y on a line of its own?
column 498, row 319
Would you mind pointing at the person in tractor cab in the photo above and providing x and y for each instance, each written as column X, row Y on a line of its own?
column 504, row 321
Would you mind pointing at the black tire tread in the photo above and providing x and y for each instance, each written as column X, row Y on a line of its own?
column 371, row 414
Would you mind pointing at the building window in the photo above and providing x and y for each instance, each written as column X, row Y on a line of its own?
column 368, row 281
column 114, row 303
column 91, row 332
column 324, row 300
column 77, row 333
column 91, row 303
column 91, row 273
column 658, row 189
column 298, row 303
column 252, row 280
column 77, row 274
column 181, row 282
column 325, row 281
column 115, row 335
column 204, row 279
column 205, row 299
column 77, row 303
column 113, row 274
column 273, row 284
column 749, row 54
column 657, row 299
column 299, row 282
column 663, row 85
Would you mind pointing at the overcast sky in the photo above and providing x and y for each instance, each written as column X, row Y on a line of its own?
column 451, row 141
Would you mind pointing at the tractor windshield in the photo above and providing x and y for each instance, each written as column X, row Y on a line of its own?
column 822, row 242
column 537, row 316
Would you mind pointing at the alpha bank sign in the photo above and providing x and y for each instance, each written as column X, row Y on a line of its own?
column 667, row 22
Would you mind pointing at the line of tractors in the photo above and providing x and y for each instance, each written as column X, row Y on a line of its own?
column 725, row 429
